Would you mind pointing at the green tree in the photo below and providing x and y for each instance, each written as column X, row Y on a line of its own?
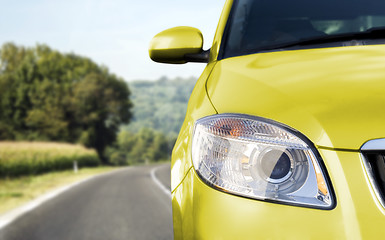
column 145, row 146
column 47, row 95
column 141, row 150
column 159, row 148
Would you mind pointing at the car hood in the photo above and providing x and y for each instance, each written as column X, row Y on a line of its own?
column 334, row 96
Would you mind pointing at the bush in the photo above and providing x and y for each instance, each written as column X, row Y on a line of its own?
column 146, row 146
column 32, row 158
column 118, row 159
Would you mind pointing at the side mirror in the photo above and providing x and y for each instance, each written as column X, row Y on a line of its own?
column 178, row 45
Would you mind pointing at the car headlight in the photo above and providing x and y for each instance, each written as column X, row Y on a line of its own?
column 260, row 159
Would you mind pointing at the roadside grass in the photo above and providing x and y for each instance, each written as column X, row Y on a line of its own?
column 15, row 192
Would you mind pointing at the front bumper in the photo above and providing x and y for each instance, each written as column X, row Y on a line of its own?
column 201, row 212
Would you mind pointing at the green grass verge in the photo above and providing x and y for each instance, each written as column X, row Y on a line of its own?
column 18, row 191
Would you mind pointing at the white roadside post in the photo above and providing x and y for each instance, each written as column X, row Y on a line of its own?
column 75, row 166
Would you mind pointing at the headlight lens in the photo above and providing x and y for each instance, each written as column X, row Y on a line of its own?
column 260, row 159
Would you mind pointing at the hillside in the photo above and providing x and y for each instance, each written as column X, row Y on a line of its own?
column 160, row 105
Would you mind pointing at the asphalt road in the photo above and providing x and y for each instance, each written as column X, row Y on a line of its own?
column 127, row 204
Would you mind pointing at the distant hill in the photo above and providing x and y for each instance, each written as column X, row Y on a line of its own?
column 160, row 105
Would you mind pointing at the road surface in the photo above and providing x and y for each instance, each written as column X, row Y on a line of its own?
column 128, row 204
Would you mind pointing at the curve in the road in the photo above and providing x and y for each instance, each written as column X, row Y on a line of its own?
column 123, row 205
column 165, row 189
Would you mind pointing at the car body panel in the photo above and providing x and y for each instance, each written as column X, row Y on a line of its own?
column 317, row 109
column 334, row 96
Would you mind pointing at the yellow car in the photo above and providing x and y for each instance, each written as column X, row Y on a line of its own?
column 284, row 136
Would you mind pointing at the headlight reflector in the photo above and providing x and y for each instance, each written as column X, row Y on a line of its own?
column 259, row 159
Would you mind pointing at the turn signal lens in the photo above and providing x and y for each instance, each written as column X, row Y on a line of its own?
column 259, row 159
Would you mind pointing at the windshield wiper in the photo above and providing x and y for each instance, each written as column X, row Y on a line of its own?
column 371, row 33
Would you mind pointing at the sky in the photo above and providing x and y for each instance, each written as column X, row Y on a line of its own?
column 113, row 33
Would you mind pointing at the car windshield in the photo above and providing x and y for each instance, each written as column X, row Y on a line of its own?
column 262, row 25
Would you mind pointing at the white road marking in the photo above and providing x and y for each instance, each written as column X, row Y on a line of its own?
column 12, row 215
column 159, row 183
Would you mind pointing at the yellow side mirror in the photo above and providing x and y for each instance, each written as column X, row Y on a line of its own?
column 178, row 45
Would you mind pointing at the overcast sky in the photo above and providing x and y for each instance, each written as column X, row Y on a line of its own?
column 115, row 33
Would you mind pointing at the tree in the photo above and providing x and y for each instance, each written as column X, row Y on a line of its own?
column 160, row 148
column 145, row 146
column 47, row 95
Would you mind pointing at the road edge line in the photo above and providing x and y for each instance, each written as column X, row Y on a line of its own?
column 164, row 189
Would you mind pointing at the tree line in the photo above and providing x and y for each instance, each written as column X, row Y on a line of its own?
column 49, row 96
column 145, row 146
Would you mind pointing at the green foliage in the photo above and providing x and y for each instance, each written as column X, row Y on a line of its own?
column 159, row 110
column 27, row 158
column 118, row 158
column 160, row 105
column 50, row 96
column 143, row 147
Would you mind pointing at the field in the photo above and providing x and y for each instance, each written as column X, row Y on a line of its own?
column 32, row 158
